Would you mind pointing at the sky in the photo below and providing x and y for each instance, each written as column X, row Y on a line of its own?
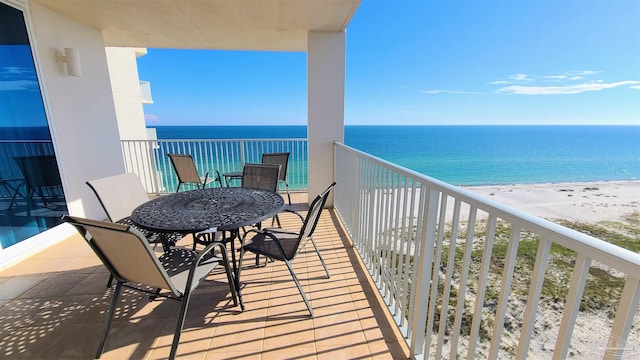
column 427, row 63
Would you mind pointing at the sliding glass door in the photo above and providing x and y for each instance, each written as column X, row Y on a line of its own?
column 31, row 196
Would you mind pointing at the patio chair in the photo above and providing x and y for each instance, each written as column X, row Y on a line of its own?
column 127, row 255
column 187, row 172
column 119, row 195
column 261, row 176
column 12, row 191
column 41, row 176
column 282, row 245
column 281, row 159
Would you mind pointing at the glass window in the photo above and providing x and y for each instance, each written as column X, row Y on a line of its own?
column 31, row 196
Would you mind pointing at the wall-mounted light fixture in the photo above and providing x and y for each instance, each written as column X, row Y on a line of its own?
column 71, row 57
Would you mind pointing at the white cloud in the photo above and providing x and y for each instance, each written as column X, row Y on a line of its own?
column 637, row 87
column 438, row 91
column 18, row 85
column 583, row 72
column 562, row 90
column 567, row 76
column 520, row 77
column 151, row 118
column 555, row 77
column 9, row 71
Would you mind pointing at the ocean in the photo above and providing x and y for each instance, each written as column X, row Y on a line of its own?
column 475, row 155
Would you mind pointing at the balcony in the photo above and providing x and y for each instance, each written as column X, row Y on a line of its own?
column 145, row 92
column 420, row 269
column 54, row 303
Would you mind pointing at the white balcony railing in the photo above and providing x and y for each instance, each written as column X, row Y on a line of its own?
column 453, row 267
column 149, row 160
column 145, row 92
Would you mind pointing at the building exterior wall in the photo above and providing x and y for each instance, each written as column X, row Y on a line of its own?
column 81, row 111
column 123, row 74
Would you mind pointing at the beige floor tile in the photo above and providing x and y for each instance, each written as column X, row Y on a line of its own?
column 289, row 352
column 290, row 332
column 221, row 354
column 55, row 286
column 14, row 287
column 343, row 352
column 38, row 267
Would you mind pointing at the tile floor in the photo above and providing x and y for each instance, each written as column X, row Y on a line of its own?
column 52, row 306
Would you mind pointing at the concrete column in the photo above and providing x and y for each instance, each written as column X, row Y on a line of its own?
column 325, row 123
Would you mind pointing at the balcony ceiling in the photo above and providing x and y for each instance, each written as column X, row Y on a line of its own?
column 274, row 25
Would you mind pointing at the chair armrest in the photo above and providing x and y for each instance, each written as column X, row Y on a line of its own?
column 294, row 212
column 201, row 255
column 206, row 177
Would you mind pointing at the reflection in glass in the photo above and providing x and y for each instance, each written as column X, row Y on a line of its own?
column 31, row 196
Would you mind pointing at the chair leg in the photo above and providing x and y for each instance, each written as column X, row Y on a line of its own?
column 181, row 317
column 230, row 277
column 276, row 219
column 315, row 246
column 295, row 279
column 237, row 282
column 112, row 308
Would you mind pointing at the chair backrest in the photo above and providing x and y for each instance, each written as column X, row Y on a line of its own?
column 124, row 251
column 261, row 176
column 119, row 195
column 185, row 168
column 281, row 159
column 311, row 221
column 38, row 171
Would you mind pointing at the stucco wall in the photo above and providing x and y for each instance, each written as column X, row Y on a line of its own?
column 81, row 111
column 123, row 71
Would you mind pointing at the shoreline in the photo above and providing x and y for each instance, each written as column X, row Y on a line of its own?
column 590, row 202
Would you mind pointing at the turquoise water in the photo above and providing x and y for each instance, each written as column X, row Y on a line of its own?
column 475, row 155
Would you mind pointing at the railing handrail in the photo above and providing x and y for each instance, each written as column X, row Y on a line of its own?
column 627, row 261
column 225, row 140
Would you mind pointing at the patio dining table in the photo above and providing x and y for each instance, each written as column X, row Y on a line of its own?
column 233, row 175
column 207, row 211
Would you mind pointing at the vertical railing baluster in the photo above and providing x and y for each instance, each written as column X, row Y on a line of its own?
column 474, row 337
column 462, row 287
column 435, row 276
column 571, row 307
column 624, row 319
column 505, row 289
column 444, row 311
column 420, row 290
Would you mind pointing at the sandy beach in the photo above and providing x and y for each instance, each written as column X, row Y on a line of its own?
column 589, row 202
